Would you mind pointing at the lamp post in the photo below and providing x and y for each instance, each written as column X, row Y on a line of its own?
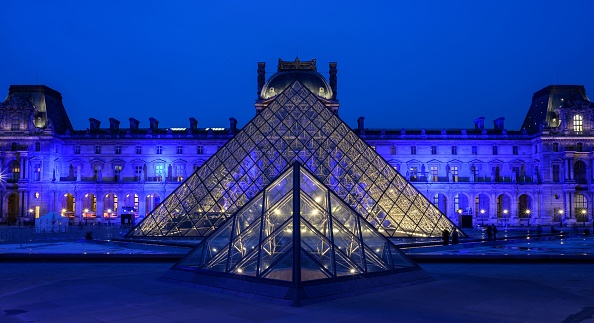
column 505, row 212
column 86, row 215
column 482, row 217
column 109, row 216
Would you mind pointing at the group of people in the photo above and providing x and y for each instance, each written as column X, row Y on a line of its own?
column 491, row 232
column 445, row 235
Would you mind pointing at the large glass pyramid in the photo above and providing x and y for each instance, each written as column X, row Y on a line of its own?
column 296, row 125
column 296, row 235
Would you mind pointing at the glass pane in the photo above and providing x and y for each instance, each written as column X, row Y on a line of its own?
column 310, row 270
column 279, row 188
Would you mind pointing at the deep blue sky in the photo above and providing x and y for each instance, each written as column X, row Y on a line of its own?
column 411, row 64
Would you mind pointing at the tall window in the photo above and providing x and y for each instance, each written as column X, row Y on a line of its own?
column 37, row 146
column 433, row 170
column 179, row 172
column 454, row 170
column 37, row 172
column 578, row 123
column 579, row 146
column 454, row 150
column 516, row 172
column 159, row 150
column 117, row 171
column 474, row 171
column 180, row 150
column 15, row 169
column 118, row 150
column 413, row 150
column 138, row 150
column 97, row 149
column 515, row 150
column 77, row 150
column 556, row 147
column 392, row 150
column 413, row 173
column 474, row 150
column 16, row 124
column 159, row 172
column 138, row 172
column 495, row 150
column 200, row 150
column 556, row 172
column 433, row 150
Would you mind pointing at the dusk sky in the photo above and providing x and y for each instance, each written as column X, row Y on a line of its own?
column 401, row 64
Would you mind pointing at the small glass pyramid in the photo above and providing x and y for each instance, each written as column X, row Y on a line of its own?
column 296, row 125
column 294, row 232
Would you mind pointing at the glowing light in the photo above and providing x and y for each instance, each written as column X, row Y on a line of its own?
column 314, row 212
column 528, row 211
column 318, row 199
column 277, row 212
column 584, row 211
column 482, row 211
column 505, row 211
column 560, row 212
column 214, row 249
column 352, row 270
column 459, row 211
column 377, row 250
column 239, row 270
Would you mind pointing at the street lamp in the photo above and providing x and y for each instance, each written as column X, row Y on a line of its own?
column 86, row 215
column 505, row 211
column 109, row 216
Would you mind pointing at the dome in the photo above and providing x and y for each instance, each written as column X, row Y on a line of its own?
column 312, row 80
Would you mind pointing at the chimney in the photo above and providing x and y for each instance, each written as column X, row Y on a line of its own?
column 498, row 123
column 134, row 124
column 333, row 80
column 114, row 125
column 361, row 125
column 154, row 123
column 232, row 125
column 94, row 124
column 193, row 124
column 479, row 123
column 261, row 76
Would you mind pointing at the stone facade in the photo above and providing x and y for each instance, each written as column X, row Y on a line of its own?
column 541, row 174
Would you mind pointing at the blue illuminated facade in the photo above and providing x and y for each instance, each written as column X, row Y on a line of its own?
column 540, row 174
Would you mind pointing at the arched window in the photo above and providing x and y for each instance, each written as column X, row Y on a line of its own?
column 578, row 123
column 580, row 206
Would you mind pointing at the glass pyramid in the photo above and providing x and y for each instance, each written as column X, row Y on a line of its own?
column 295, row 126
column 298, row 234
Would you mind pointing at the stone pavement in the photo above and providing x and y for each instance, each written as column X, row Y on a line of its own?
column 132, row 292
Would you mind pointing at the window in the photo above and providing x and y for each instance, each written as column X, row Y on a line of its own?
column 515, row 150
column 556, row 172
column 413, row 150
column 413, row 173
column 117, row 170
column 200, row 150
column 556, row 147
column 180, row 150
column 579, row 147
column 578, row 121
column 37, row 172
column 37, row 146
column 159, row 150
column 97, row 149
column 495, row 150
column 433, row 170
column 118, row 150
column 474, row 150
column 77, row 150
column 454, row 150
column 16, row 124
column 138, row 172
column 138, row 150
column 159, row 172
column 454, row 170
column 179, row 173
column 474, row 171
column 392, row 150
column 433, row 150
column 516, row 172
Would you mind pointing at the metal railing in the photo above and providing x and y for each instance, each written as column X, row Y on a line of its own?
column 16, row 234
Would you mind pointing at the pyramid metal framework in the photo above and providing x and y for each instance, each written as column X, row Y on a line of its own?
column 290, row 240
column 296, row 126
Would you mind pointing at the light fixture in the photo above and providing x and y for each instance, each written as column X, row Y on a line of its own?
column 528, row 211
column 505, row 211
column 482, row 211
column 352, row 270
column 560, row 212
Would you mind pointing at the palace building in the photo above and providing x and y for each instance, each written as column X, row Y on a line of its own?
column 539, row 174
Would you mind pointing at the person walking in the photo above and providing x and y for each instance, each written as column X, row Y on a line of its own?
column 489, row 232
column 494, row 231
column 455, row 237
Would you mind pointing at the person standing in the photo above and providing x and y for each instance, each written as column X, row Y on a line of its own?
column 489, row 232
column 445, row 235
column 455, row 237
column 494, row 231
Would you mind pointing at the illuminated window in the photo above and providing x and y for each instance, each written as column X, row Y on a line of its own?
column 474, row 150
column 179, row 173
column 433, row 170
column 392, row 150
column 413, row 173
column 118, row 150
column 77, row 150
column 138, row 150
column 515, row 150
column 413, row 150
column 454, row 150
column 97, row 149
column 15, row 169
column 180, row 150
column 138, row 172
column 454, row 170
column 117, row 171
column 159, row 150
column 578, row 122
column 433, row 150
column 159, row 172
column 200, row 150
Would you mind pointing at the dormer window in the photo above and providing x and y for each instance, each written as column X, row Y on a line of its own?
column 321, row 91
column 578, row 123
column 271, row 91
